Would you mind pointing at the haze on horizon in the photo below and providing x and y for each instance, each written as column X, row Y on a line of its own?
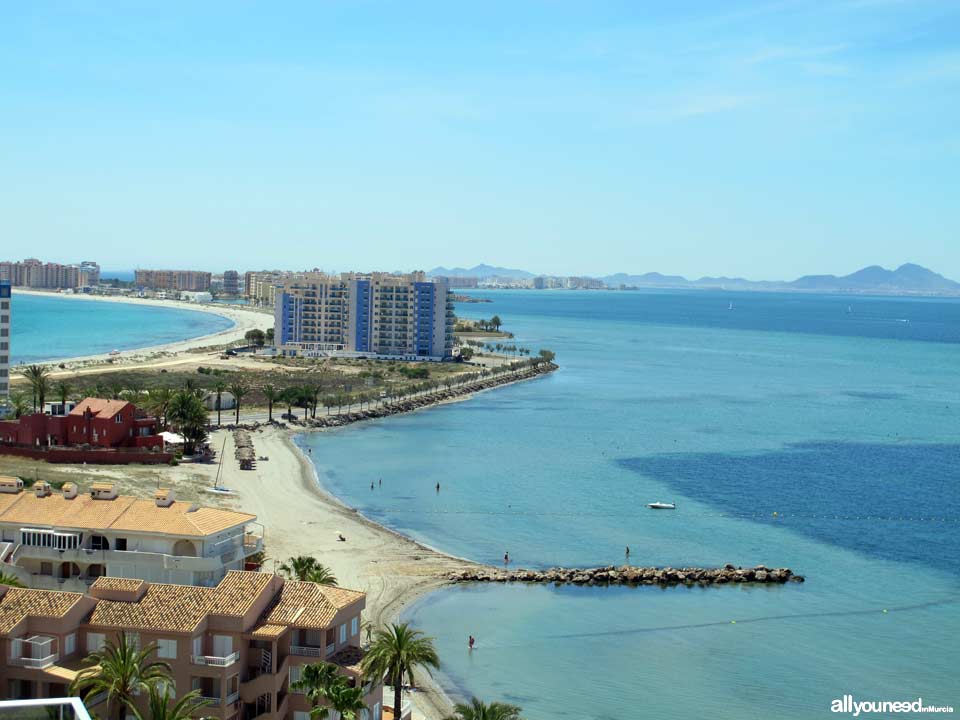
column 766, row 139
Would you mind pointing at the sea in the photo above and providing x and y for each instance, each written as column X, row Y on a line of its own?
column 816, row 432
column 50, row 327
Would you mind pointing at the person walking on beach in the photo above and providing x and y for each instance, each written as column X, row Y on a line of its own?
column 471, row 642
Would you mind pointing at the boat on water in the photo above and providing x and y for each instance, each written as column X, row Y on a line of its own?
column 662, row 506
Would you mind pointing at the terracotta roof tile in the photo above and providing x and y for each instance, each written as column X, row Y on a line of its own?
column 238, row 591
column 163, row 608
column 349, row 658
column 99, row 407
column 266, row 630
column 19, row 603
column 122, row 513
column 309, row 605
column 115, row 583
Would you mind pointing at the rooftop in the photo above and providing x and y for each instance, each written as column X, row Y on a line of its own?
column 98, row 407
column 309, row 605
column 19, row 603
column 122, row 513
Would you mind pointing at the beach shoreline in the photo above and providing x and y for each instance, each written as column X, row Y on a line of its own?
column 243, row 320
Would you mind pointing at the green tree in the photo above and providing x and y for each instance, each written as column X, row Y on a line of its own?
column 321, row 575
column 479, row 710
column 299, row 567
column 158, row 403
column 269, row 337
column 344, row 700
column 239, row 391
column 496, row 322
column 10, row 580
column 162, row 706
column 272, row 395
column 189, row 417
column 39, row 378
column 18, row 402
column 547, row 356
column 64, row 391
column 256, row 337
column 315, row 681
column 466, row 353
column 394, row 653
column 122, row 672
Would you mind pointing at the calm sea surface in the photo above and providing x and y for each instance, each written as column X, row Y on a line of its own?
column 841, row 415
column 46, row 328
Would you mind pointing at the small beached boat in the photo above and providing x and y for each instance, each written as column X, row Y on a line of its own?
column 662, row 506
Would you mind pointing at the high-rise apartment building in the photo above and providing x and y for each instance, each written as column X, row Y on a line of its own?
column 231, row 282
column 190, row 280
column 5, row 312
column 33, row 273
column 398, row 316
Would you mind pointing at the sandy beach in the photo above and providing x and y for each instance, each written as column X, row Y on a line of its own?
column 243, row 320
column 301, row 519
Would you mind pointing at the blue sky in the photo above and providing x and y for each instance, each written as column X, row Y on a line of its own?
column 762, row 139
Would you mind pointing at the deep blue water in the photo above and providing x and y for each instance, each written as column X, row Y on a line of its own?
column 831, row 412
column 47, row 328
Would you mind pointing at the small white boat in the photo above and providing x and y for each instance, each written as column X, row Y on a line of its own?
column 219, row 491
column 662, row 506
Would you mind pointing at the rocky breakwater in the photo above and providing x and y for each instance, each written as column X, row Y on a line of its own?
column 632, row 576
column 409, row 404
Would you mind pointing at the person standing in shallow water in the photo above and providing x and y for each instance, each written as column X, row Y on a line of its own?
column 506, row 558
column 471, row 642
column 627, row 553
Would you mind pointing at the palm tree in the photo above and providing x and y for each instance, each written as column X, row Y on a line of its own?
column 18, row 402
column 159, row 705
column 39, row 378
column 316, row 680
column 272, row 394
column 299, row 567
column 12, row 580
column 239, row 391
column 158, row 402
column 64, row 391
column 394, row 653
column 122, row 672
column 218, row 389
column 344, row 700
column 479, row 710
column 189, row 416
column 321, row 575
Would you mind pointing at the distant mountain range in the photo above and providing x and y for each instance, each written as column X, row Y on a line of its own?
column 908, row 278
column 483, row 272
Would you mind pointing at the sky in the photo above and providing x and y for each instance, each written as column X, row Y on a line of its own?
column 765, row 139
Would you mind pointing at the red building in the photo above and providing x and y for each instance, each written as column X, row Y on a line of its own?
column 94, row 422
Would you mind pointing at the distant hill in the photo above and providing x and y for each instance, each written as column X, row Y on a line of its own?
column 482, row 272
column 906, row 278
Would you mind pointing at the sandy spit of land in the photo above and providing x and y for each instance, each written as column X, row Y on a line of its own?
column 243, row 320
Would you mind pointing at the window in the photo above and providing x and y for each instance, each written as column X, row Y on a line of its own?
column 95, row 641
column 46, row 568
column 167, row 648
column 133, row 639
column 376, row 712
column 121, row 543
column 198, row 645
column 295, row 673
column 70, row 644
column 355, row 626
column 343, row 633
column 298, row 715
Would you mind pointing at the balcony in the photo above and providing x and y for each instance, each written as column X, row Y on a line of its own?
column 305, row 651
column 210, row 701
column 36, row 652
column 214, row 660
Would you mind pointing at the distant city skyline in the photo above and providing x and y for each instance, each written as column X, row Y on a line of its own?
column 767, row 139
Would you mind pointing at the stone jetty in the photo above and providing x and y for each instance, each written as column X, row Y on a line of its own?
column 632, row 576
column 409, row 404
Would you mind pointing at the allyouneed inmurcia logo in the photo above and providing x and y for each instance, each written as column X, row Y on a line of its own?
column 847, row 704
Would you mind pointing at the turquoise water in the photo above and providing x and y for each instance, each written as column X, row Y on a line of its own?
column 47, row 328
column 841, row 415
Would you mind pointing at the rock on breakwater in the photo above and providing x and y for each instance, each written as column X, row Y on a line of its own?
column 630, row 575
column 429, row 399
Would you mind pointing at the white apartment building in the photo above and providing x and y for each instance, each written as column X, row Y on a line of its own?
column 404, row 317
column 5, row 311
column 66, row 540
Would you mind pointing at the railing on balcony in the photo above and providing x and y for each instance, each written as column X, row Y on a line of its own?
column 331, row 648
column 211, row 701
column 305, row 650
column 32, row 662
column 233, row 697
column 215, row 660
